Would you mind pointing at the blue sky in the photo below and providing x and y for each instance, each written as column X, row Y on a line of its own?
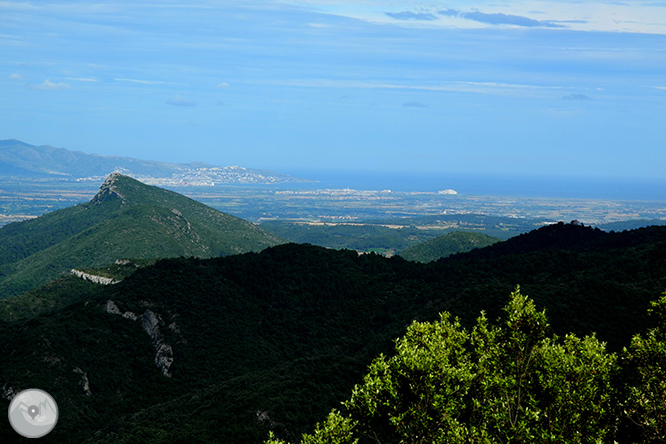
column 530, row 87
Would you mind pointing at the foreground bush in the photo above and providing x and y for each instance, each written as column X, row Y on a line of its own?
column 504, row 382
column 646, row 404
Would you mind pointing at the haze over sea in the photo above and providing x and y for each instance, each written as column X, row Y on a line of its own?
column 648, row 189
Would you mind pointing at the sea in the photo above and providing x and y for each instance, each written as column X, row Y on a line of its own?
column 476, row 184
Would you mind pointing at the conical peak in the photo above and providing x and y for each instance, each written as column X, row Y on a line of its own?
column 114, row 176
column 109, row 189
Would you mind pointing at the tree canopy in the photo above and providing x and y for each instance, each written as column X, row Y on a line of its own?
column 505, row 382
column 646, row 403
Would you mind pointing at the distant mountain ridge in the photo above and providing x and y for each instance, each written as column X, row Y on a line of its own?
column 126, row 219
column 24, row 160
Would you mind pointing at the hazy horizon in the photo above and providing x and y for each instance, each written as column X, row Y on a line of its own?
column 539, row 88
column 480, row 184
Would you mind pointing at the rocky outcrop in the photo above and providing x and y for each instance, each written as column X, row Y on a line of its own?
column 8, row 392
column 108, row 190
column 150, row 322
column 163, row 351
column 84, row 381
column 93, row 278
column 112, row 308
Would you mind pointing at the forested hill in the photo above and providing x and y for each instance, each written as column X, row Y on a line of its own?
column 126, row 219
column 226, row 349
column 571, row 236
column 446, row 245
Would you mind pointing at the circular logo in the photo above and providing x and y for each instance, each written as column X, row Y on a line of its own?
column 33, row 413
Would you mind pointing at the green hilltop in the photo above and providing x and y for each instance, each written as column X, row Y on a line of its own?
column 446, row 245
column 126, row 219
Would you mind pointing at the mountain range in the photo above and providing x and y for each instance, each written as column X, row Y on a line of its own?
column 20, row 159
column 227, row 349
column 126, row 219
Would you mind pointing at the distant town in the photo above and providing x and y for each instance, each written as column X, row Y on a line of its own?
column 205, row 177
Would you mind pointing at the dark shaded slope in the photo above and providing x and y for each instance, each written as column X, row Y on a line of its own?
column 272, row 319
column 572, row 236
column 631, row 224
column 274, row 340
column 589, row 280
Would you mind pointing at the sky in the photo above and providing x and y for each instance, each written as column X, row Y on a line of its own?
column 564, row 88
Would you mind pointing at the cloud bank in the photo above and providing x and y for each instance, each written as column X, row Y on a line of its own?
column 477, row 16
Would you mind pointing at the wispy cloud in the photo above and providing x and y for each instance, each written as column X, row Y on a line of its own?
column 15, row 76
column 500, row 19
column 144, row 82
column 181, row 101
column 592, row 15
column 504, row 89
column 48, row 85
column 11, row 40
column 492, row 88
column 223, row 85
column 577, row 97
column 79, row 79
column 18, row 6
column 408, row 15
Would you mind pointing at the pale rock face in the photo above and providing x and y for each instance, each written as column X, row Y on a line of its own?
column 112, row 308
column 93, row 278
column 9, row 392
column 150, row 322
column 163, row 352
column 263, row 417
column 108, row 189
column 84, row 381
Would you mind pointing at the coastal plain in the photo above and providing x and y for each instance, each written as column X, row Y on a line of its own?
column 24, row 198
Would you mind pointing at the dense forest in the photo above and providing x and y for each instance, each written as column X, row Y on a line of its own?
column 232, row 348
